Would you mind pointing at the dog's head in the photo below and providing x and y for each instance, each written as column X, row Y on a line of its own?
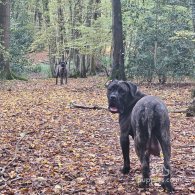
column 121, row 95
column 63, row 64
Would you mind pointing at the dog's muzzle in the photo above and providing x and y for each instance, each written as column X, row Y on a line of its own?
column 113, row 106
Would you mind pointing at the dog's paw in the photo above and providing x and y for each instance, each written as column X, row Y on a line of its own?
column 125, row 170
column 167, row 186
column 144, row 184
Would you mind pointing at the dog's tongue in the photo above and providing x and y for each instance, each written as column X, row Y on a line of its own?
column 113, row 109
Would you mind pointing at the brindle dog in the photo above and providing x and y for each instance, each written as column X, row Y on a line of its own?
column 146, row 119
column 61, row 72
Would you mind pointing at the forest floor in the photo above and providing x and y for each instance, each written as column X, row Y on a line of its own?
column 47, row 147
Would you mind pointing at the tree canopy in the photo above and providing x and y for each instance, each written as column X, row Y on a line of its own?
column 158, row 36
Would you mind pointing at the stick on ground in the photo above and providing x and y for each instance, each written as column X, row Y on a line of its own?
column 95, row 107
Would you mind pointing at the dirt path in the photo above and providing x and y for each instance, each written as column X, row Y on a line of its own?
column 55, row 149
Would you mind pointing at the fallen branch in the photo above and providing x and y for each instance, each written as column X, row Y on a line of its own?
column 15, row 179
column 8, row 182
column 188, row 146
column 177, row 111
column 95, row 107
column 78, row 191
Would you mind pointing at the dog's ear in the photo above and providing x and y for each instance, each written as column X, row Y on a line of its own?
column 108, row 83
column 132, row 87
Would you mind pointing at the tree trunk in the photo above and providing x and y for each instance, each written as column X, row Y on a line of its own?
column 52, row 60
column 191, row 108
column 90, row 16
column 118, row 70
column 4, row 38
column 97, row 13
column 193, row 13
column 76, row 60
column 61, row 30
column 51, row 47
column 92, row 65
column 75, row 18
column 93, row 15
column 38, row 15
column 83, row 67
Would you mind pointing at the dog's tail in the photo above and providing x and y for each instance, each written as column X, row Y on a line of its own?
column 149, row 123
column 152, row 146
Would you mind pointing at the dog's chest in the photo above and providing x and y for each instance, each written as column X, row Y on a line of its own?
column 125, row 124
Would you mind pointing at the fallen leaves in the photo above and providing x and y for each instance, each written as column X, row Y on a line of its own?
column 76, row 151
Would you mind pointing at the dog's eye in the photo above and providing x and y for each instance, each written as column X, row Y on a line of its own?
column 121, row 91
column 109, row 89
column 113, row 88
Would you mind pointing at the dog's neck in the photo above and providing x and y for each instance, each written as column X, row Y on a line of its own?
column 126, row 115
column 129, row 108
column 137, row 97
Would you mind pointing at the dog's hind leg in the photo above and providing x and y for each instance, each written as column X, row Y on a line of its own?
column 143, row 129
column 164, row 140
column 143, row 145
column 144, row 156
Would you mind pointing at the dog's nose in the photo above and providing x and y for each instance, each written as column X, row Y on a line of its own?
column 113, row 97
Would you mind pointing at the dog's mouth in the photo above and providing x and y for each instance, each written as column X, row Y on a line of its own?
column 113, row 108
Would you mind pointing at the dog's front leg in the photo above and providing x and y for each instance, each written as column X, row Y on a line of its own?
column 56, row 74
column 124, row 141
column 56, row 79
column 61, row 79
column 66, row 77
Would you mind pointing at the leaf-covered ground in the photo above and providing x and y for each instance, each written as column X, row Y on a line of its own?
column 46, row 147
